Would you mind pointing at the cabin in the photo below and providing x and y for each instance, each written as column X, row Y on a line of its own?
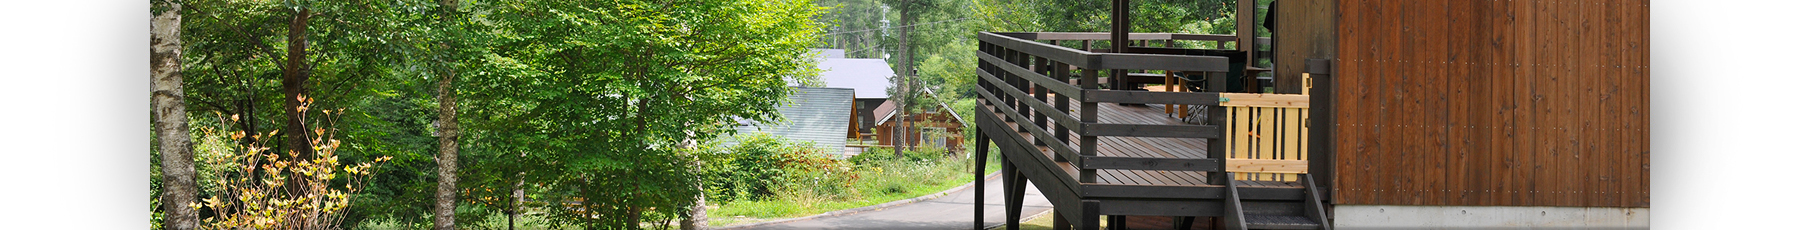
column 811, row 114
column 936, row 125
column 1374, row 115
column 868, row 77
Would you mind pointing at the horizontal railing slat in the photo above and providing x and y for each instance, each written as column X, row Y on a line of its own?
column 1060, row 148
column 1141, row 163
column 1075, row 36
column 1074, row 57
column 1151, row 97
column 1062, row 118
column 1053, row 85
column 1164, row 62
column 1143, row 130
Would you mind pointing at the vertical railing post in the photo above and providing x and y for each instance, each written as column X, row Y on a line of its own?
column 1038, row 93
column 1005, row 76
column 1060, row 71
column 1215, row 115
column 1321, row 153
column 1089, row 115
column 1018, row 83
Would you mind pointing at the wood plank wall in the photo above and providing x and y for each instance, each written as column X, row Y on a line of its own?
column 1492, row 102
column 1304, row 32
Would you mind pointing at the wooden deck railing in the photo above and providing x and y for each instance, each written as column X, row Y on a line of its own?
column 1035, row 85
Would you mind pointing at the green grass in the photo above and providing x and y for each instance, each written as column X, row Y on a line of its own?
column 885, row 182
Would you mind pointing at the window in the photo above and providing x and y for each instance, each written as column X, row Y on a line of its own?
column 931, row 109
column 934, row 136
column 861, row 104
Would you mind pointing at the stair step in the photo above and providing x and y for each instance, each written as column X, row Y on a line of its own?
column 1279, row 222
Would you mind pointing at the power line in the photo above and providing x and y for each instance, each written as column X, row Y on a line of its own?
column 916, row 24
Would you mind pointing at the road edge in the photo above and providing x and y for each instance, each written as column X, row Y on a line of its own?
column 990, row 176
column 1002, row 223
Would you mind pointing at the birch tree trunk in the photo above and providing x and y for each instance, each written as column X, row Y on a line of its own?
column 445, row 209
column 696, row 213
column 170, row 113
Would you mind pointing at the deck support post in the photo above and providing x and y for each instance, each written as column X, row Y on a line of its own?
column 981, row 156
column 1184, row 222
column 1060, row 223
column 1018, row 193
column 1009, row 176
column 1121, row 38
column 1322, row 148
column 1090, row 214
column 1246, row 41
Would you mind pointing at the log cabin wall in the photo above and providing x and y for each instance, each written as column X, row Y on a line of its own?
column 952, row 127
column 1491, row 102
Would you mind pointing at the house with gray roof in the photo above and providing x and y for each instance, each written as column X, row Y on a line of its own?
column 811, row 114
column 867, row 76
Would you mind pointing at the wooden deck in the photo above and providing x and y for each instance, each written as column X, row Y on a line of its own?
column 1143, row 147
column 1096, row 152
column 1148, row 147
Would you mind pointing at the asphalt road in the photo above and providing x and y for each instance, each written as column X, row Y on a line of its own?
column 952, row 211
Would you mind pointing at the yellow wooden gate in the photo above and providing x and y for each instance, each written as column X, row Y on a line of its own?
column 1266, row 134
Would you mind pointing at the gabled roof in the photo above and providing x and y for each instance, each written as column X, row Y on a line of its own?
column 889, row 109
column 813, row 114
column 885, row 110
column 869, row 77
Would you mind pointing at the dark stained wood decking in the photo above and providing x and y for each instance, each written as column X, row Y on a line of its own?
column 1146, row 147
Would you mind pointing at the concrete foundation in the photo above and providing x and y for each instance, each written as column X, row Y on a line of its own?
column 1488, row 217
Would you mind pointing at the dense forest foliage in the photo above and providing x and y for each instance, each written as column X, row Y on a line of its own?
column 587, row 112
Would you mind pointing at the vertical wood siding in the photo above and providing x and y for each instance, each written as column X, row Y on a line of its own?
column 1492, row 102
column 1305, row 32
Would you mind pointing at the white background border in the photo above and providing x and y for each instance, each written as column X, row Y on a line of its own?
column 74, row 113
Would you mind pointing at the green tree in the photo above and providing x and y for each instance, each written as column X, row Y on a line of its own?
column 367, row 57
column 445, row 64
column 606, row 92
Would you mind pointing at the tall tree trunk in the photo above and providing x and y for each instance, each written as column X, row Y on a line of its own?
column 170, row 113
column 518, row 199
column 293, row 85
column 446, row 159
column 445, row 209
column 696, row 213
column 906, row 85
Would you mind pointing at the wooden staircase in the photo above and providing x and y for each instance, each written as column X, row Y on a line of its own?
column 1271, row 214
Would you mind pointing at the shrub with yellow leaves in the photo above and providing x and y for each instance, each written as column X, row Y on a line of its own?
column 254, row 188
